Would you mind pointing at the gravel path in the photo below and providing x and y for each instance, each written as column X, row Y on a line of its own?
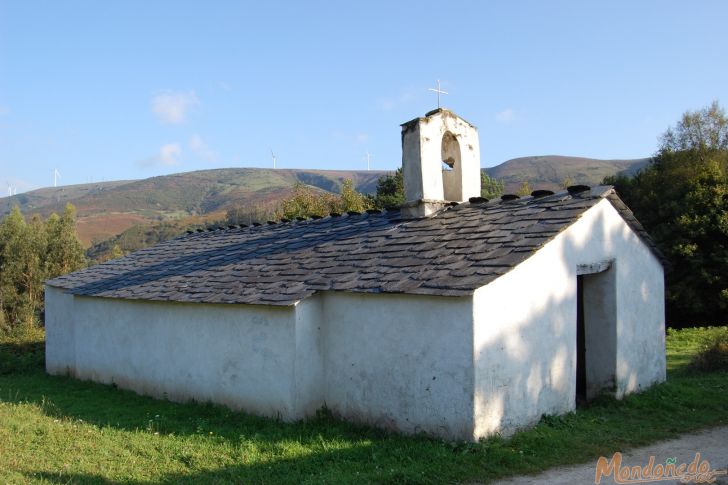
column 712, row 445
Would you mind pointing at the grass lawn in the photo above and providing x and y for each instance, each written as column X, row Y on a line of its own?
column 59, row 430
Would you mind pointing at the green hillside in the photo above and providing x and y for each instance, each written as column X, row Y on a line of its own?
column 192, row 192
column 108, row 209
column 57, row 196
column 550, row 171
column 171, row 202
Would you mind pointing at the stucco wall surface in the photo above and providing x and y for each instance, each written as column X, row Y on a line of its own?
column 60, row 341
column 396, row 361
column 422, row 152
column 309, row 359
column 525, row 323
column 240, row 357
column 401, row 362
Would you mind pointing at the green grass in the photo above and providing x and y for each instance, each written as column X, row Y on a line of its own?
column 59, row 430
column 682, row 346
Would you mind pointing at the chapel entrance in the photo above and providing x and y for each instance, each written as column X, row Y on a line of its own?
column 596, row 330
column 580, row 344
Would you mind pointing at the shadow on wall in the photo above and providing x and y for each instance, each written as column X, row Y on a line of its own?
column 528, row 367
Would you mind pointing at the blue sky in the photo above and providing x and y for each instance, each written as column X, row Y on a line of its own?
column 132, row 89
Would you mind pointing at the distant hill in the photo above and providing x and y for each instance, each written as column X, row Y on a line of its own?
column 550, row 171
column 109, row 208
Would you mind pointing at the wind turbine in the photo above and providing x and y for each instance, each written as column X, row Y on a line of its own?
column 369, row 159
column 10, row 190
column 273, row 156
column 56, row 176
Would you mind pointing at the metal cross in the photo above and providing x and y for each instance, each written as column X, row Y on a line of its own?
column 439, row 92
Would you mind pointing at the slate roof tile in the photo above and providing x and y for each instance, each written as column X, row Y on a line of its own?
column 451, row 253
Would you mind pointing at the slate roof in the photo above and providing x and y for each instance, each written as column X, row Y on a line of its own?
column 458, row 250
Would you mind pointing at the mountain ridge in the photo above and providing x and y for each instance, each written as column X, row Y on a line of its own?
column 551, row 171
column 106, row 209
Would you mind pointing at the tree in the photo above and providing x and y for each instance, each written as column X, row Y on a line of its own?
column 30, row 253
column 390, row 191
column 490, row 188
column 64, row 253
column 116, row 252
column 304, row 202
column 21, row 267
column 12, row 232
column 524, row 189
column 702, row 130
column 681, row 198
column 351, row 200
column 307, row 201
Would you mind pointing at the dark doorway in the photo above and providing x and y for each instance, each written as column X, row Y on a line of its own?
column 596, row 331
column 580, row 343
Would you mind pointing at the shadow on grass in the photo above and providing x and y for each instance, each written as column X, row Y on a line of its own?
column 332, row 451
column 327, row 467
column 338, row 452
column 108, row 406
column 21, row 355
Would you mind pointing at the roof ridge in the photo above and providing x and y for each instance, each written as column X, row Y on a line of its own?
column 283, row 220
column 460, row 248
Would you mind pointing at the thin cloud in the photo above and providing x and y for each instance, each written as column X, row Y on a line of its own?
column 506, row 117
column 389, row 103
column 350, row 138
column 171, row 107
column 4, row 110
column 168, row 155
column 386, row 104
column 199, row 147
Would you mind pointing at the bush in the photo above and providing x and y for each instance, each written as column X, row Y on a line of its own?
column 713, row 355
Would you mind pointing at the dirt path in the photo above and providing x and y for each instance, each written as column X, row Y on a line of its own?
column 712, row 445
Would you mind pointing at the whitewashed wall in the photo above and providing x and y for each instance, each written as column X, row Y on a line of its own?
column 395, row 361
column 525, row 324
column 422, row 159
column 60, row 352
column 309, row 361
column 240, row 356
column 400, row 362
